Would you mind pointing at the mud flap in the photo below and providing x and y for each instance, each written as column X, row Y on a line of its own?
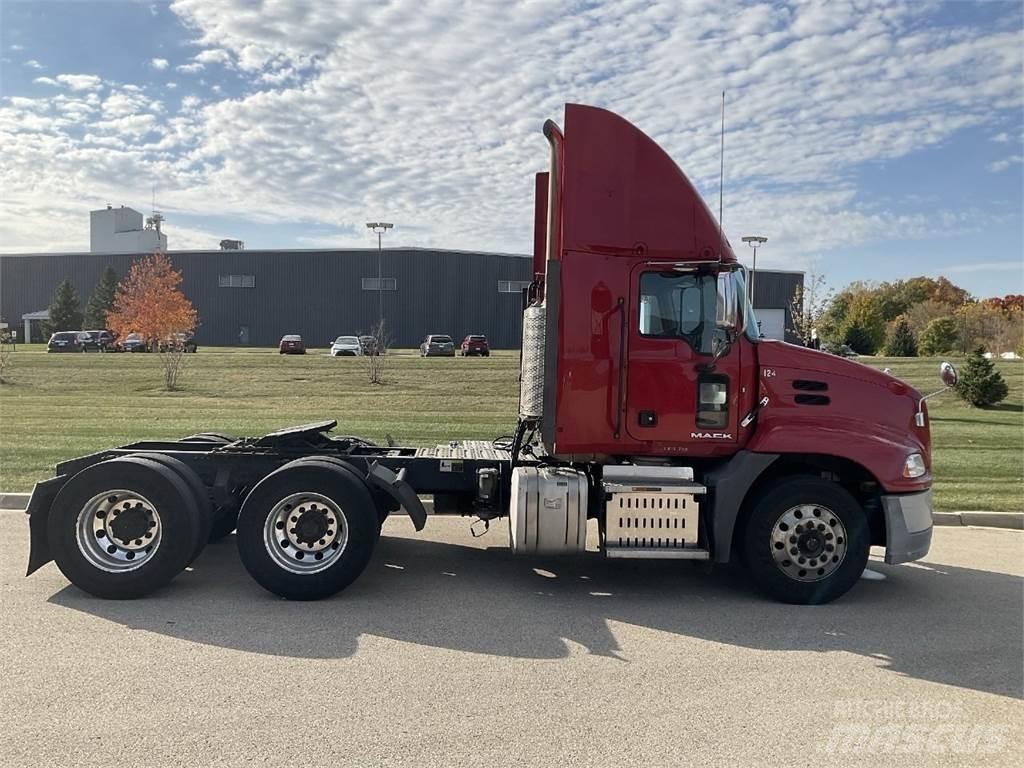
column 395, row 486
column 38, row 514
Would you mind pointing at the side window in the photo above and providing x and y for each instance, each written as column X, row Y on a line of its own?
column 679, row 305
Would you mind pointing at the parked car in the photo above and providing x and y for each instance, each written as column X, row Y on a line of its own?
column 475, row 345
column 97, row 341
column 183, row 341
column 133, row 342
column 369, row 345
column 65, row 341
column 840, row 350
column 291, row 344
column 346, row 346
column 437, row 345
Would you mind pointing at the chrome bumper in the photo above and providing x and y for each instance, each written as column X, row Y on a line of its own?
column 908, row 526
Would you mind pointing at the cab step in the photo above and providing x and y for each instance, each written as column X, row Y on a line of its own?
column 636, row 553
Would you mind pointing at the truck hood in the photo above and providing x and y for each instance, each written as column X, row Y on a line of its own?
column 782, row 355
column 820, row 403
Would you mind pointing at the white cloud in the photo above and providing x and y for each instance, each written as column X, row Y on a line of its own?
column 429, row 113
column 33, row 64
column 74, row 82
column 212, row 56
column 1007, row 162
column 16, row 47
column 121, row 103
column 159, row 64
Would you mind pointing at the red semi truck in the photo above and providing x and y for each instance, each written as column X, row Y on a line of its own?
column 648, row 402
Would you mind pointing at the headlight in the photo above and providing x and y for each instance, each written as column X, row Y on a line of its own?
column 914, row 465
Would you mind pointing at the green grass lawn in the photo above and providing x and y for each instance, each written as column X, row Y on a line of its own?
column 60, row 406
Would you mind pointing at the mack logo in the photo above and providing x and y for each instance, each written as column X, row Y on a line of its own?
column 711, row 436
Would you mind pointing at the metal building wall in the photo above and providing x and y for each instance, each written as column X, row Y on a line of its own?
column 318, row 293
column 775, row 290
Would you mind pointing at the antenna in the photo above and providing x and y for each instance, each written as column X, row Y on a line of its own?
column 721, row 176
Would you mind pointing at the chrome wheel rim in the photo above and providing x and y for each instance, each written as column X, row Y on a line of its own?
column 118, row 531
column 808, row 542
column 305, row 533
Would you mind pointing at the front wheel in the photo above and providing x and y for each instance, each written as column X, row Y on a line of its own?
column 307, row 530
column 806, row 541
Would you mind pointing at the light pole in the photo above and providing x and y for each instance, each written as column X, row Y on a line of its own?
column 379, row 228
column 754, row 241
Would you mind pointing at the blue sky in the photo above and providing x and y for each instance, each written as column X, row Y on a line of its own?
column 867, row 140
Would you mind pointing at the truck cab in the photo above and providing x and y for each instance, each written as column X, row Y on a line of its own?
column 650, row 357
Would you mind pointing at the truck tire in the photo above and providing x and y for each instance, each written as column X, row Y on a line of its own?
column 307, row 530
column 806, row 541
column 98, row 513
column 225, row 520
column 200, row 493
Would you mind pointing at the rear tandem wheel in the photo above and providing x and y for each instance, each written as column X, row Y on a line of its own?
column 123, row 528
column 308, row 529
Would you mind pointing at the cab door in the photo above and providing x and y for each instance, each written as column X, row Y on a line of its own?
column 676, row 322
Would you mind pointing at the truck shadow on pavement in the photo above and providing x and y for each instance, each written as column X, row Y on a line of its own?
column 945, row 624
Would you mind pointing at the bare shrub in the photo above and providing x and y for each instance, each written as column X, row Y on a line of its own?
column 375, row 354
column 172, row 360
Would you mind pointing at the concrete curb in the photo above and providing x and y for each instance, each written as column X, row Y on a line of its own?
column 1010, row 520
column 16, row 501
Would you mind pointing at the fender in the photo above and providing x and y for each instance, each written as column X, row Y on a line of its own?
column 879, row 450
column 730, row 483
column 394, row 484
column 38, row 513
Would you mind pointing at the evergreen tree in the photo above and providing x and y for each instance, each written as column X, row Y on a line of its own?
column 65, row 310
column 101, row 301
column 980, row 384
column 939, row 336
column 902, row 342
column 858, row 338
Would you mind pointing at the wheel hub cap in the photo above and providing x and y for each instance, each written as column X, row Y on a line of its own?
column 808, row 542
column 305, row 532
column 118, row 530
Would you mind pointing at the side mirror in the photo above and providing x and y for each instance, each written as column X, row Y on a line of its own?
column 727, row 311
column 947, row 373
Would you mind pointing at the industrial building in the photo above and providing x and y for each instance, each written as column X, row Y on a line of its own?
column 120, row 230
column 252, row 298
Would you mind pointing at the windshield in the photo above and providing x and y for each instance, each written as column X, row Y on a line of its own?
column 65, row 336
column 346, row 340
column 441, row 339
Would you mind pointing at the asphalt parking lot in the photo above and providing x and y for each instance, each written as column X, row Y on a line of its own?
column 444, row 654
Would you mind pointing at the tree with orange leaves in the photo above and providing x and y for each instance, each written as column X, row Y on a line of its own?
column 149, row 304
